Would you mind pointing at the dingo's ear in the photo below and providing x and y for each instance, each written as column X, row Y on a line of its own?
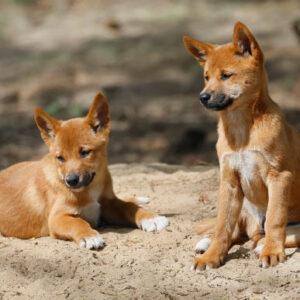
column 244, row 41
column 47, row 125
column 199, row 50
column 98, row 115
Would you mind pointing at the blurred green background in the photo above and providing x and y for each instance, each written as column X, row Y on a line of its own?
column 58, row 53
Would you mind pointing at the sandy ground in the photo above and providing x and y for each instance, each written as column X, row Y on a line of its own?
column 141, row 265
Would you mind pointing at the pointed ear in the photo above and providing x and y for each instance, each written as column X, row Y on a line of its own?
column 47, row 125
column 244, row 42
column 98, row 116
column 199, row 50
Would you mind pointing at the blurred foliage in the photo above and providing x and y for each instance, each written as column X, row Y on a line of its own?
column 60, row 109
column 24, row 2
column 57, row 54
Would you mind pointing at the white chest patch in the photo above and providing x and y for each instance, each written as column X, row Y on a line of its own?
column 244, row 162
column 91, row 212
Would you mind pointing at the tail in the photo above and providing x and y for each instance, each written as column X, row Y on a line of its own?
column 206, row 226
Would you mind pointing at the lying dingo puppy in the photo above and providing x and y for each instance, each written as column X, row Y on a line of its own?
column 259, row 154
column 64, row 193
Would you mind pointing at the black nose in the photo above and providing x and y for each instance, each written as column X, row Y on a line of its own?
column 72, row 180
column 204, row 97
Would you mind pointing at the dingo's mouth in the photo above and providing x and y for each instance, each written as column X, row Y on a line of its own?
column 78, row 183
column 220, row 102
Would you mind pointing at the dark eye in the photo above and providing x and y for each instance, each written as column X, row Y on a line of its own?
column 225, row 76
column 60, row 158
column 84, row 153
column 206, row 78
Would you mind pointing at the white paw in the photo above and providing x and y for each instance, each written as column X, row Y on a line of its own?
column 202, row 245
column 264, row 266
column 155, row 224
column 258, row 249
column 142, row 200
column 192, row 268
column 199, row 271
column 94, row 242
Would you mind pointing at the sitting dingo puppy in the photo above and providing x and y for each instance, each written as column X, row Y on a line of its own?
column 64, row 193
column 259, row 154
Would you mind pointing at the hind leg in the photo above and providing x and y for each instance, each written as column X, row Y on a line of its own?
column 206, row 228
column 128, row 212
column 247, row 226
column 209, row 226
column 292, row 239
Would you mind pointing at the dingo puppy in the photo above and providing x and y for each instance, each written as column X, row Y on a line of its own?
column 259, row 154
column 64, row 193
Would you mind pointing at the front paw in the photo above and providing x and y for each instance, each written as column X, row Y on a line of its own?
column 93, row 242
column 206, row 262
column 271, row 256
column 154, row 224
